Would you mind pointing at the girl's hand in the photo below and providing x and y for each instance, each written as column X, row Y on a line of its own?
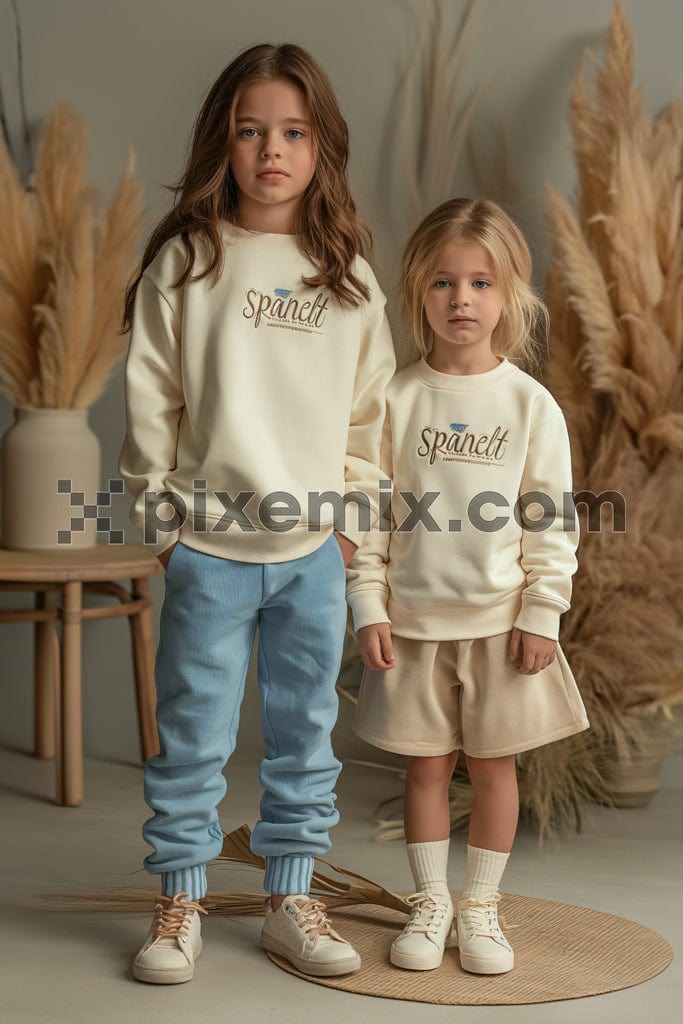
column 375, row 645
column 348, row 548
column 531, row 652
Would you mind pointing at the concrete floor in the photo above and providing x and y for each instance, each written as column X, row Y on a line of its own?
column 68, row 968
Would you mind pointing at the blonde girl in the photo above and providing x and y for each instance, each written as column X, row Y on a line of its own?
column 457, row 601
column 255, row 385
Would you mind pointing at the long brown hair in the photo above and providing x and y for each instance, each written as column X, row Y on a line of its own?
column 328, row 228
column 523, row 325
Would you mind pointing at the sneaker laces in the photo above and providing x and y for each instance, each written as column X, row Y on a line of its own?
column 423, row 916
column 311, row 917
column 172, row 916
column 480, row 915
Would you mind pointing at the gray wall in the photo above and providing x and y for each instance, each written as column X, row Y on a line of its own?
column 138, row 70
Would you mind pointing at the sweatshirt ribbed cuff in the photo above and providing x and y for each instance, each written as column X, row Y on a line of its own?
column 289, row 875
column 540, row 615
column 368, row 607
column 190, row 880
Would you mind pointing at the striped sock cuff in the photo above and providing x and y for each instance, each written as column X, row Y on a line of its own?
column 288, row 875
column 190, row 880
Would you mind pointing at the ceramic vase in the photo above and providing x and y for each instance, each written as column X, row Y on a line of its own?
column 42, row 448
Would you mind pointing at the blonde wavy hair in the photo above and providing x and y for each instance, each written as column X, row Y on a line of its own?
column 521, row 333
column 328, row 228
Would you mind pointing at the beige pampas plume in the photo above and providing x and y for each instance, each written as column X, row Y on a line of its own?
column 65, row 261
column 59, row 178
column 116, row 239
column 616, row 289
column 18, row 283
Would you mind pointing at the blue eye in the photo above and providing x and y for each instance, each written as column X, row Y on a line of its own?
column 480, row 285
column 295, row 133
column 245, row 133
column 441, row 284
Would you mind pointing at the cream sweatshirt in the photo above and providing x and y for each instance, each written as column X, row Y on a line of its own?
column 465, row 448
column 248, row 399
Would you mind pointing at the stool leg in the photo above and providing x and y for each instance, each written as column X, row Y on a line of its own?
column 143, row 656
column 59, row 738
column 46, row 669
column 70, row 784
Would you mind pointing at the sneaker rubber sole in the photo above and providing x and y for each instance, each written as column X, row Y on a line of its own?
column 317, row 970
column 166, row 975
column 486, row 965
column 417, row 961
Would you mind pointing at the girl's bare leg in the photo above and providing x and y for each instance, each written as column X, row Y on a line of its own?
column 495, row 804
column 426, row 813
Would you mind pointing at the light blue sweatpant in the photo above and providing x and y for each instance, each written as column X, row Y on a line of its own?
column 211, row 609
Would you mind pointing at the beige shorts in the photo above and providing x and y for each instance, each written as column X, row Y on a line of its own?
column 445, row 695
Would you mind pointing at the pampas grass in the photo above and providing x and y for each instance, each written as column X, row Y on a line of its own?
column 615, row 288
column 424, row 137
column 432, row 141
column 64, row 266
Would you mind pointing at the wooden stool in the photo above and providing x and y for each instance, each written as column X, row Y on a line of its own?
column 58, row 704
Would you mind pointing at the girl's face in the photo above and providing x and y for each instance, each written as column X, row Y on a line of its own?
column 463, row 303
column 273, row 156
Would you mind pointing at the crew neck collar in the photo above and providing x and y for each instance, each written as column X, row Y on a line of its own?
column 234, row 229
column 462, row 381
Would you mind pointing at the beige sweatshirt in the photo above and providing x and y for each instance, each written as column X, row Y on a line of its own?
column 469, row 446
column 248, row 399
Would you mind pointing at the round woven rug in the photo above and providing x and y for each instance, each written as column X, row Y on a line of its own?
column 561, row 952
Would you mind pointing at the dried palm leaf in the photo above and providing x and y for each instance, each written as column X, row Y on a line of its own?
column 335, row 893
column 237, row 850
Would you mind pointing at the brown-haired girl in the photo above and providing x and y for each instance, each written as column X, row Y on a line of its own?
column 253, row 385
column 457, row 607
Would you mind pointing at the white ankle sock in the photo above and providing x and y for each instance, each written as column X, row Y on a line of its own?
column 484, row 870
column 429, row 866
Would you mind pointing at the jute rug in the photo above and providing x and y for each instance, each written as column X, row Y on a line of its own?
column 561, row 952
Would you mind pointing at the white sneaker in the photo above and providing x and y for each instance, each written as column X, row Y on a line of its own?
column 173, row 942
column 483, row 947
column 420, row 945
column 300, row 931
